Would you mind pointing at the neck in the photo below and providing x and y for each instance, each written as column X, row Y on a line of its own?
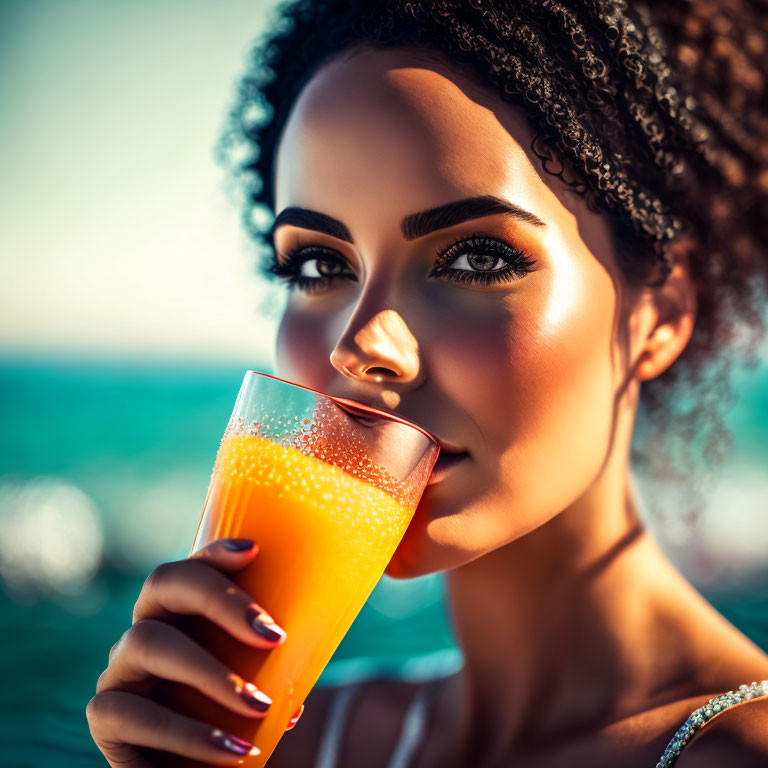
column 567, row 628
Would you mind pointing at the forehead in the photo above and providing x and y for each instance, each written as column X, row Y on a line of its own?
column 377, row 134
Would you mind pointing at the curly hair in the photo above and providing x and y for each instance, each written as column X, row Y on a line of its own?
column 655, row 113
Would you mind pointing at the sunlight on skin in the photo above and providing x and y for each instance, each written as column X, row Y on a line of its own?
column 561, row 300
column 387, row 336
column 391, row 398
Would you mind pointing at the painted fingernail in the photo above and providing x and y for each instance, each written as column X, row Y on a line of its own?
column 255, row 698
column 264, row 625
column 233, row 743
column 295, row 718
column 237, row 545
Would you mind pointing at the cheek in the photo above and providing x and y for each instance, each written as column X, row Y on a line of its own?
column 466, row 351
column 302, row 351
column 555, row 411
column 467, row 355
column 533, row 371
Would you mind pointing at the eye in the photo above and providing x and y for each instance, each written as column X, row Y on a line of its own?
column 482, row 262
column 311, row 268
column 482, row 259
column 315, row 267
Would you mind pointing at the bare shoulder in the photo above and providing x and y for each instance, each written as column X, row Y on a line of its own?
column 739, row 735
column 370, row 729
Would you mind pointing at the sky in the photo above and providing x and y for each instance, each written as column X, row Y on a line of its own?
column 117, row 236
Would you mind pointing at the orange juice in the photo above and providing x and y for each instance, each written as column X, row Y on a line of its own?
column 325, row 538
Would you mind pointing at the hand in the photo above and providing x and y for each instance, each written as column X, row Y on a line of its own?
column 122, row 715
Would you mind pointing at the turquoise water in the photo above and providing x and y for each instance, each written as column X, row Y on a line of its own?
column 137, row 443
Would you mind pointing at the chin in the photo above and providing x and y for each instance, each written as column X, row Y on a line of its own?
column 400, row 567
column 429, row 557
column 436, row 539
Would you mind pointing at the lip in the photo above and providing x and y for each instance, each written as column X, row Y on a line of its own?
column 369, row 414
column 449, row 447
column 447, row 460
column 357, row 414
column 449, row 456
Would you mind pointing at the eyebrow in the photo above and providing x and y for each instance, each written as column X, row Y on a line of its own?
column 414, row 225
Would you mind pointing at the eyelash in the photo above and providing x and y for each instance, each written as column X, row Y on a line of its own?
column 519, row 263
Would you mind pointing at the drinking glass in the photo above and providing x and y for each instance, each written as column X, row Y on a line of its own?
column 326, row 487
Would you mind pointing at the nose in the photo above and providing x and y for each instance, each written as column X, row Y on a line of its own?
column 384, row 349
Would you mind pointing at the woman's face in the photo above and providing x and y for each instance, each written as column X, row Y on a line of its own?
column 504, row 334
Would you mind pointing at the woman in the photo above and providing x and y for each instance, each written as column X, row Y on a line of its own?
column 507, row 222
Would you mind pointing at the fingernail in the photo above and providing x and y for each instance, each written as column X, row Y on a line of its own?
column 237, row 545
column 255, row 698
column 233, row 743
column 264, row 625
column 295, row 718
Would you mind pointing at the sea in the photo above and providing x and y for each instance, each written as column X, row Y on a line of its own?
column 103, row 471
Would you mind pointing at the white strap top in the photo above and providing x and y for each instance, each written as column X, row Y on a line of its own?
column 411, row 730
column 328, row 752
column 415, row 719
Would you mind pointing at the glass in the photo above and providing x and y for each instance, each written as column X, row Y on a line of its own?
column 326, row 487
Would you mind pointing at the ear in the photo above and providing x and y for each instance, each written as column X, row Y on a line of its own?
column 663, row 319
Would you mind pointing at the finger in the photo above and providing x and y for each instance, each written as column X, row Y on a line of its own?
column 123, row 755
column 295, row 719
column 120, row 721
column 193, row 588
column 153, row 649
column 227, row 554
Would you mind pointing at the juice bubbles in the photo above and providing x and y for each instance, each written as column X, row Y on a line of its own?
column 325, row 537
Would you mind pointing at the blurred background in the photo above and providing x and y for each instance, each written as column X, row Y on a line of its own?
column 129, row 311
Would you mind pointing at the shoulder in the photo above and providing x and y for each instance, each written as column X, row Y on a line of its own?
column 739, row 735
column 370, row 728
